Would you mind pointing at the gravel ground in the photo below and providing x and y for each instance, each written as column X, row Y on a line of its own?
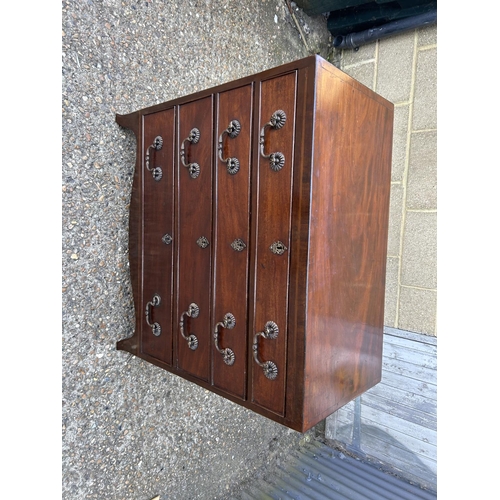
column 131, row 430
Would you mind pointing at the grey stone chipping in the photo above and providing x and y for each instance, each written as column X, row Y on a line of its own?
column 130, row 429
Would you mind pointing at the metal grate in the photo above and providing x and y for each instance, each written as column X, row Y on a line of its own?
column 317, row 472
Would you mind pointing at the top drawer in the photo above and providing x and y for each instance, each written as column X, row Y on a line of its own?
column 273, row 223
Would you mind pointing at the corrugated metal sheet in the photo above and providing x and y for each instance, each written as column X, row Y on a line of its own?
column 318, row 472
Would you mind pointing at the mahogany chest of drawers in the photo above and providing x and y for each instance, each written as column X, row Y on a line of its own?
column 258, row 239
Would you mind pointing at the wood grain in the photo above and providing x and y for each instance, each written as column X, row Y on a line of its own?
column 274, row 208
column 328, row 205
column 232, row 222
column 158, row 220
column 348, row 244
column 194, row 220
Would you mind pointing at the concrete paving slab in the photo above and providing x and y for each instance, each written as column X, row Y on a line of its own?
column 419, row 258
column 422, row 172
column 425, row 105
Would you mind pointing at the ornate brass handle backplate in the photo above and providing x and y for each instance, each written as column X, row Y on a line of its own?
column 276, row 159
column 155, row 327
column 227, row 354
column 271, row 331
column 233, row 129
column 192, row 312
column 193, row 168
column 156, row 172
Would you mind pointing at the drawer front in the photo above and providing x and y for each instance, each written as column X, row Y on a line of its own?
column 273, row 223
column 195, row 242
column 158, row 223
column 232, row 231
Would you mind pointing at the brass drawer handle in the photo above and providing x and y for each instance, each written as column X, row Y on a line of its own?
column 233, row 130
column 156, row 172
column 193, row 168
column 154, row 302
column 276, row 159
column 228, row 322
column 271, row 331
column 192, row 312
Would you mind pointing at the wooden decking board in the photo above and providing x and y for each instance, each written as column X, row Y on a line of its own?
column 398, row 433
column 389, row 451
column 425, row 419
column 403, row 334
column 411, row 356
column 403, row 397
column 398, row 381
column 406, row 413
column 406, row 437
column 411, row 343
column 409, row 370
column 391, row 340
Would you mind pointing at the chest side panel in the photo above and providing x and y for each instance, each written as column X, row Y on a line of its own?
column 348, row 242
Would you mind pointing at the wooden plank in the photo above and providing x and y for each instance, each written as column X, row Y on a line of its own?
column 413, row 437
column 405, row 355
column 409, row 370
column 410, row 344
column 403, row 334
column 397, row 380
column 409, row 414
column 404, row 398
column 383, row 439
column 406, row 343
column 392, row 424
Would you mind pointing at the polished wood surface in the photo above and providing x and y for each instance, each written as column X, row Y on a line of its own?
column 328, row 205
column 232, row 222
column 348, row 243
column 301, row 194
column 273, row 213
column 158, row 220
column 194, row 221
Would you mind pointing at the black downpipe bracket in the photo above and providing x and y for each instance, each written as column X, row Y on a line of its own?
column 355, row 40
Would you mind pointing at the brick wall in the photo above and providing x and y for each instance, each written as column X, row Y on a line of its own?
column 403, row 69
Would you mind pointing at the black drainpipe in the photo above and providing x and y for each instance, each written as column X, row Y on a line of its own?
column 354, row 40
